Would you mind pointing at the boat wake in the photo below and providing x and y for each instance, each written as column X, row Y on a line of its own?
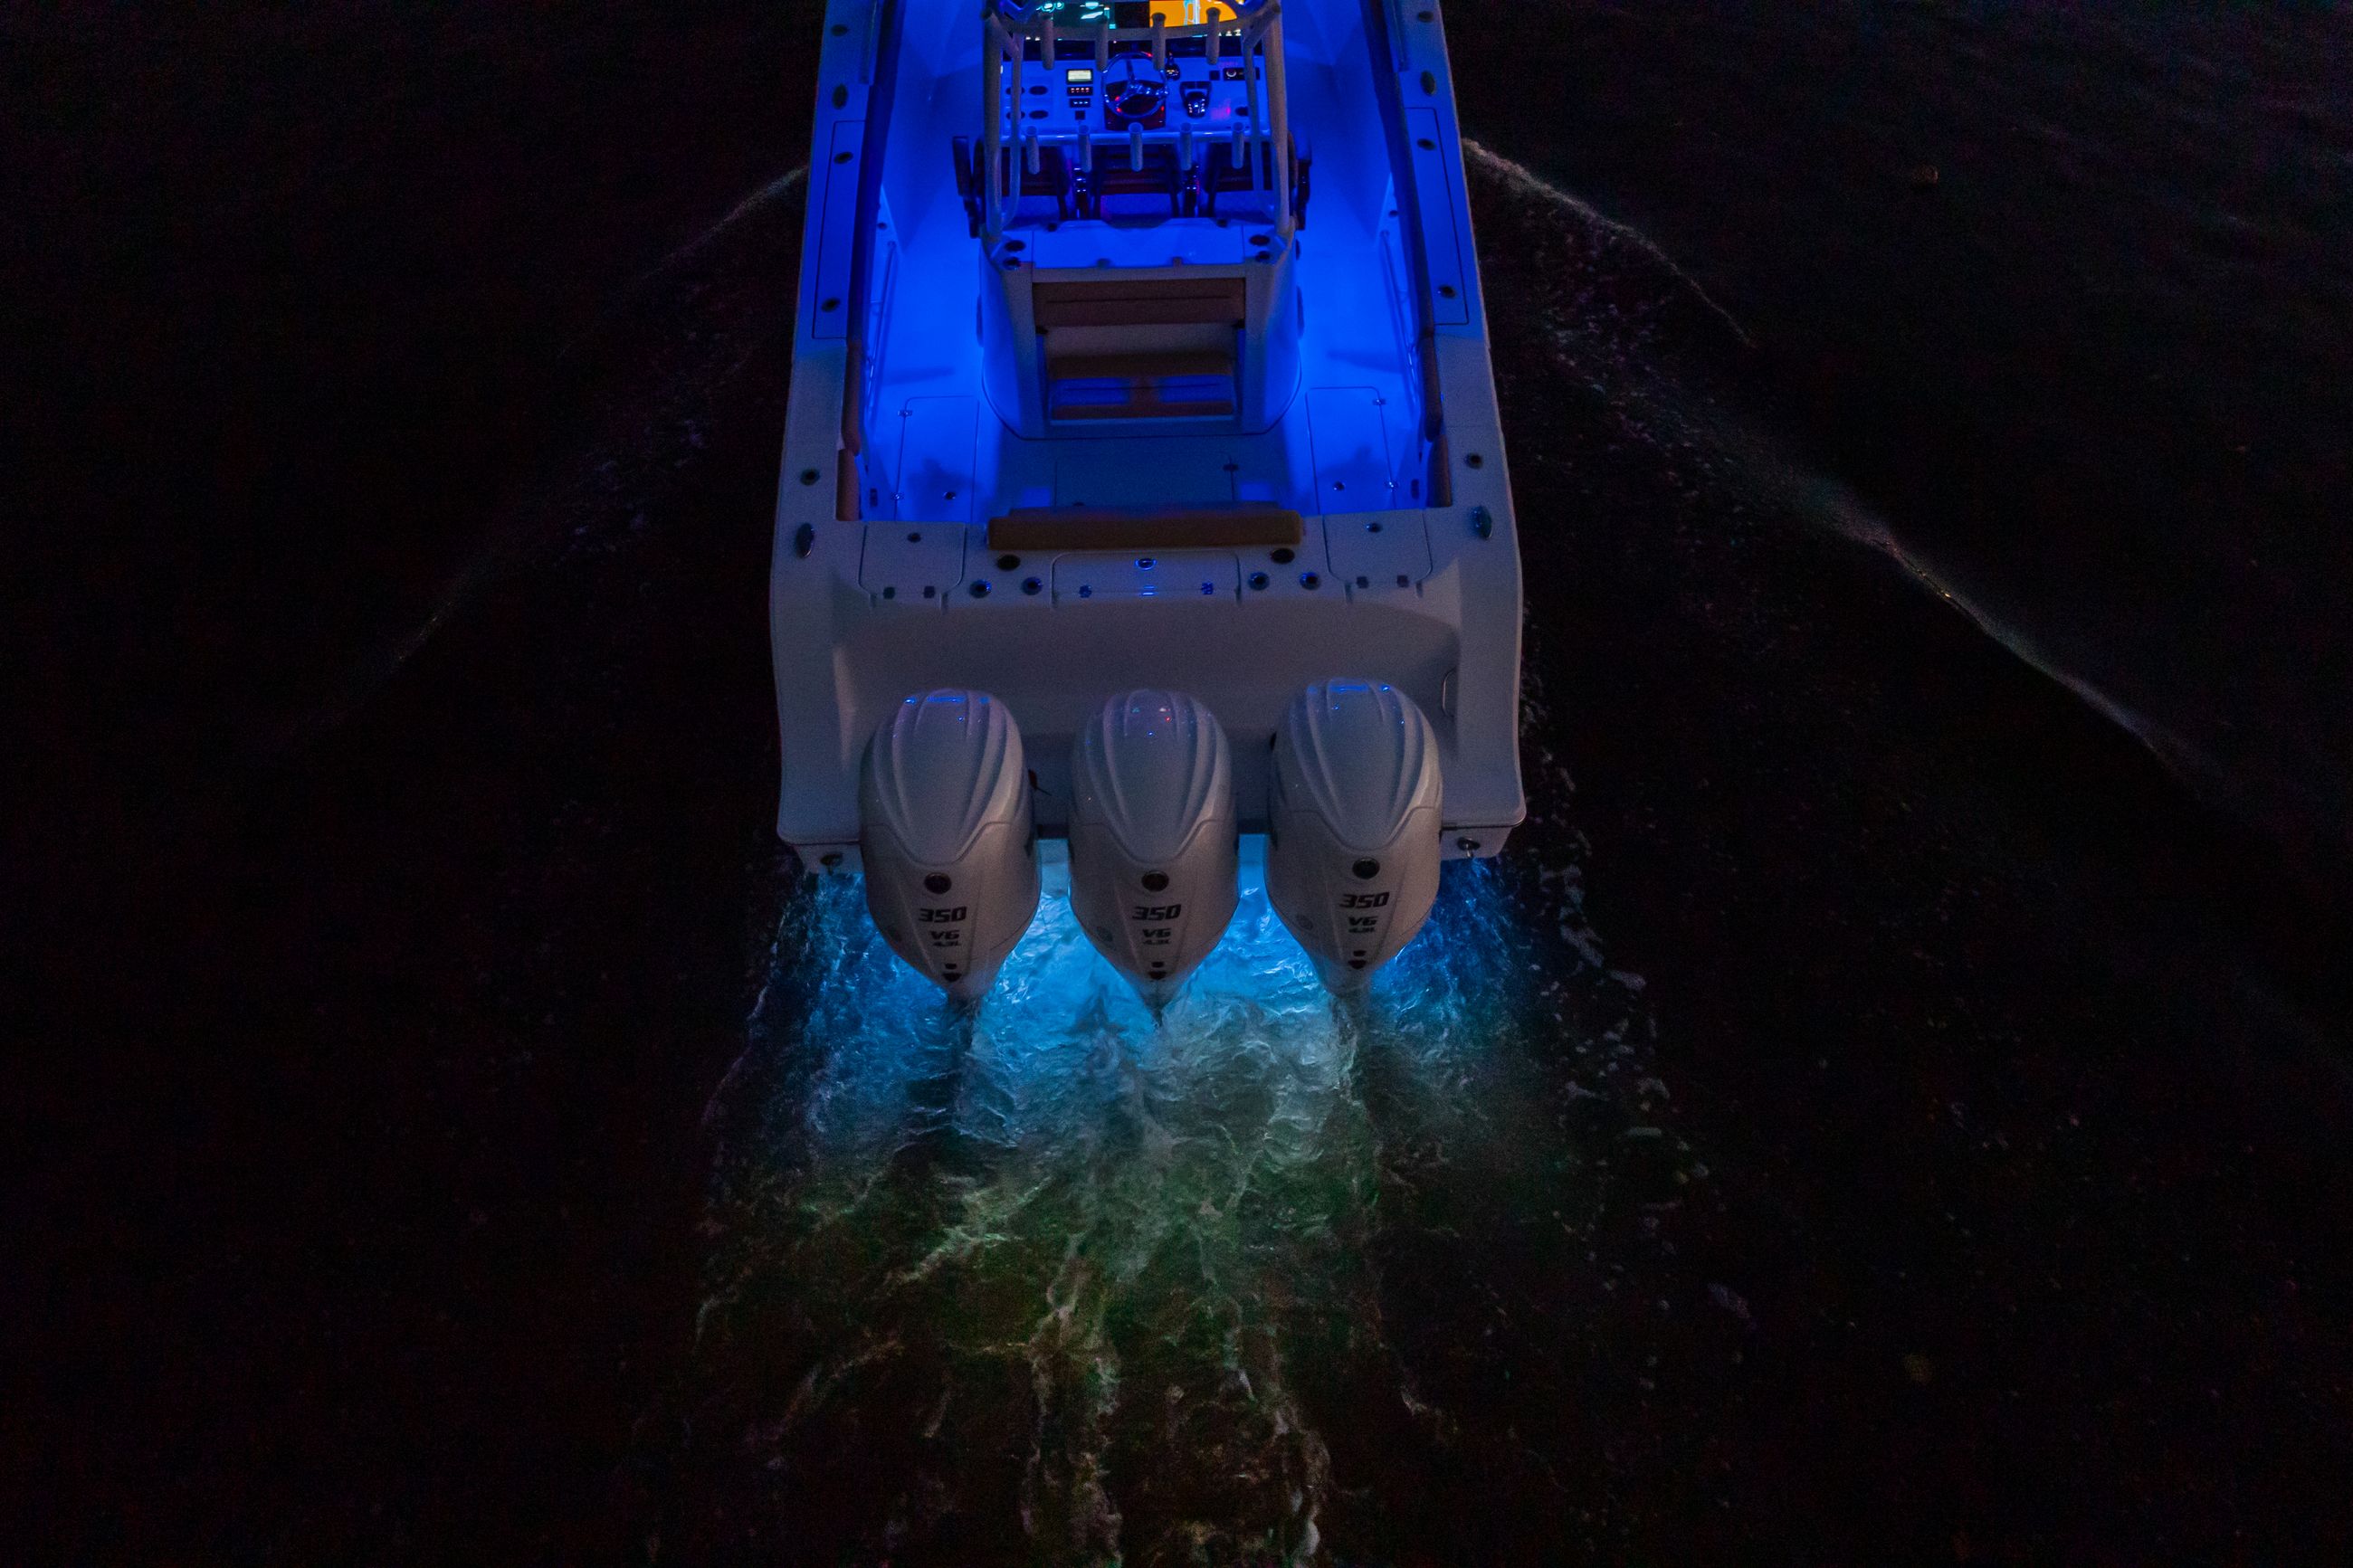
column 1062, row 1282
column 1625, row 328
column 1520, row 182
column 1636, row 330
column 1058, row 1282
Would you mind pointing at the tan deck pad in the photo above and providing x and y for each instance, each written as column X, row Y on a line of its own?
column 1141, row 301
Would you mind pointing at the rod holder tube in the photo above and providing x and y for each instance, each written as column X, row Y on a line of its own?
column 1279, row 101
column 1013, row 111
column 1250, row 73
column 992, row 128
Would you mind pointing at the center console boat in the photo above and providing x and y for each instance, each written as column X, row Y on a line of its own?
column 1142, row 487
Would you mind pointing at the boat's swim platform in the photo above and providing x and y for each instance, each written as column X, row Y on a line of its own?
column 1141, row 485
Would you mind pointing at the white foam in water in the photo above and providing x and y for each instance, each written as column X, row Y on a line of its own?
column 1065, row 1231
column 1063, row 1038
column 1526, row 181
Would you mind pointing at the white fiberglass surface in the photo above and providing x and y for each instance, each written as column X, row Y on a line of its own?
column 1345, row 441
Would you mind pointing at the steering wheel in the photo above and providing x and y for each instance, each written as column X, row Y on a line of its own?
column 1133, row 92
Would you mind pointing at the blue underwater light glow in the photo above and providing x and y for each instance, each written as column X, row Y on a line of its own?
column 1062, row 1036
column 1057, row 1012
column 1055, row 984
column 1059, row 1245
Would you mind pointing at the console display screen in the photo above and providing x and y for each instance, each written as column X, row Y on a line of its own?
column 1185, row 13
column 1138, row 14
column 1087, row 12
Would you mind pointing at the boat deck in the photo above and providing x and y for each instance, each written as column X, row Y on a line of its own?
column 1346, row 440
column 1327, row 494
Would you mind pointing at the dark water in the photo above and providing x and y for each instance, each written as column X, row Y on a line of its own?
column 2095, row 380
column 1886, row 1108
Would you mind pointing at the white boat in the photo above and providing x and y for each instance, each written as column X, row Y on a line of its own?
column 1141, row 491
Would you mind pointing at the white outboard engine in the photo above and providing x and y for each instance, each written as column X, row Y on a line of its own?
column 1354, row 817
column 945, row 829
column 1153, row 835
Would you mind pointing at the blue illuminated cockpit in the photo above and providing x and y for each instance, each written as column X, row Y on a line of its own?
column 1133, row 189
column 1150, row 136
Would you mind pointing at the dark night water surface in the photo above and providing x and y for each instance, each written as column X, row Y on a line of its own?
column 1890, row 1106
column 2096, row 381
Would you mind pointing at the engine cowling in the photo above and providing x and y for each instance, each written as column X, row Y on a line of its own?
column 1355, row 815
column 1153, row 835
column 945, row 832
